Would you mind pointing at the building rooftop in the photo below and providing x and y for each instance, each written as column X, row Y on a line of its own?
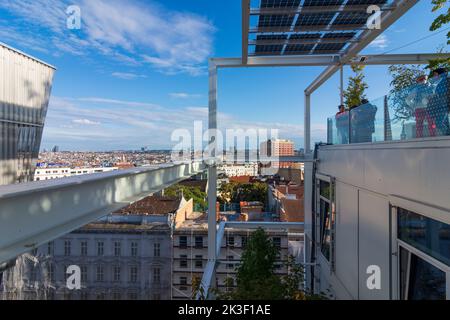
column 4, row 45
column 123, row 227
column 152, row 205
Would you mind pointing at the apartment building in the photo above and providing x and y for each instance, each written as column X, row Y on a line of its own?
column 275, row 148
column 190, row 253
column 235, row 170
column 286, row 200
column 49, row 173
column 124, row 256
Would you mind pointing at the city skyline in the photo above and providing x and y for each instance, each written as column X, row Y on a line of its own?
column 116, row 88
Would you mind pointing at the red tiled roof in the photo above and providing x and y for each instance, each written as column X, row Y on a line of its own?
column 152, row 205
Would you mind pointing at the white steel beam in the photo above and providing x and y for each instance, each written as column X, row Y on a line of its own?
column 387, row 19
column 328, row 60
column 32, row 214
column 212, row 167
column 307, row 124
column 245, row 27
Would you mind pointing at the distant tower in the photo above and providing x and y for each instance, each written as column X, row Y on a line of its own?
column 25, row 86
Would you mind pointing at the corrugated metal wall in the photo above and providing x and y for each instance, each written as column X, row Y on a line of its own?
column 25, row 86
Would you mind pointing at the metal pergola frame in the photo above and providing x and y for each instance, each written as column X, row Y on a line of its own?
column 333, row 62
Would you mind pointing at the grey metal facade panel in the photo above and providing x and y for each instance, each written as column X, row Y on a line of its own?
column 25, row 86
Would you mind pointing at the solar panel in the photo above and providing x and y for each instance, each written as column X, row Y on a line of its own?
column 280, row 3
column 298, row 49
column 314, row 19
column 272, row 49
column 320, row 27
column 339, row 35
column 367, row 2
column 356, row 19
column 274, row 20
column 329, row 47
column 313, row 3
column 271, row 37
column 305, row 36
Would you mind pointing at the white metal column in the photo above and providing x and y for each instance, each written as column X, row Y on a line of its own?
column 341, row 85
column 307, row 125
column 212, row 168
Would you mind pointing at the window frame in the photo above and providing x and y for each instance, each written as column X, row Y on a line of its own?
column 431, row 213
column 331, row 262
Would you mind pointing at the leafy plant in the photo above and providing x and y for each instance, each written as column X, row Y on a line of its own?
column 355, row 91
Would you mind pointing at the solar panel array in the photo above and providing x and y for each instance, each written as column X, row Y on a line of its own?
column 289, row 27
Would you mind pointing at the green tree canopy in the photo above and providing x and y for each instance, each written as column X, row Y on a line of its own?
column 189, row 192
column 235, row 192
column 256, row 278
column 443, row 18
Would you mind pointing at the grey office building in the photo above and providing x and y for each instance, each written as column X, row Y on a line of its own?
column 25, row 86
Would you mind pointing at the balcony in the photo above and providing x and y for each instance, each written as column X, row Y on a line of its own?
column 417, row 111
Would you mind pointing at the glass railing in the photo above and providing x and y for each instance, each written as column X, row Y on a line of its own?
column 418, row 111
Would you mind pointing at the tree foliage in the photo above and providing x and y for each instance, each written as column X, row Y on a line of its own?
column 256, row 278
column 189, row 192
column 355, row 91
column 235, row 192
column 403, row 81
column 443, row 18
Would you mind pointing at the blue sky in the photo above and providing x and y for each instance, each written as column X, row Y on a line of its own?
column 137, row 70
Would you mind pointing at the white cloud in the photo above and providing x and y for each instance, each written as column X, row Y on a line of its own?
column 128, row 31
column 131, row 125
column 184, row 95
column 381, row 42
column 86, row 122
column 127, row 75
column 119, row 102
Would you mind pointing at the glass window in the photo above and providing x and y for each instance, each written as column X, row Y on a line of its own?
column 51, row 272
column 100, row 248
column 183, row 241
column 420, row 280
column 117, row 249
column 428, row 235
column 325, row 229
column 156, row 275
column 116, row 273
column 230, row 241
column 277, row 242
column 133, row 274
column 84, row 273
column 183, row 261
column 230, row 265
column 325, row 189
column 199, row 242
column 117, row 295
column 157, row 249
column 50, row 248
column 67, row 248
column 199, row 261
column 134, row 249
column 84, row 248
column 244, row 240
column 100, row 273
